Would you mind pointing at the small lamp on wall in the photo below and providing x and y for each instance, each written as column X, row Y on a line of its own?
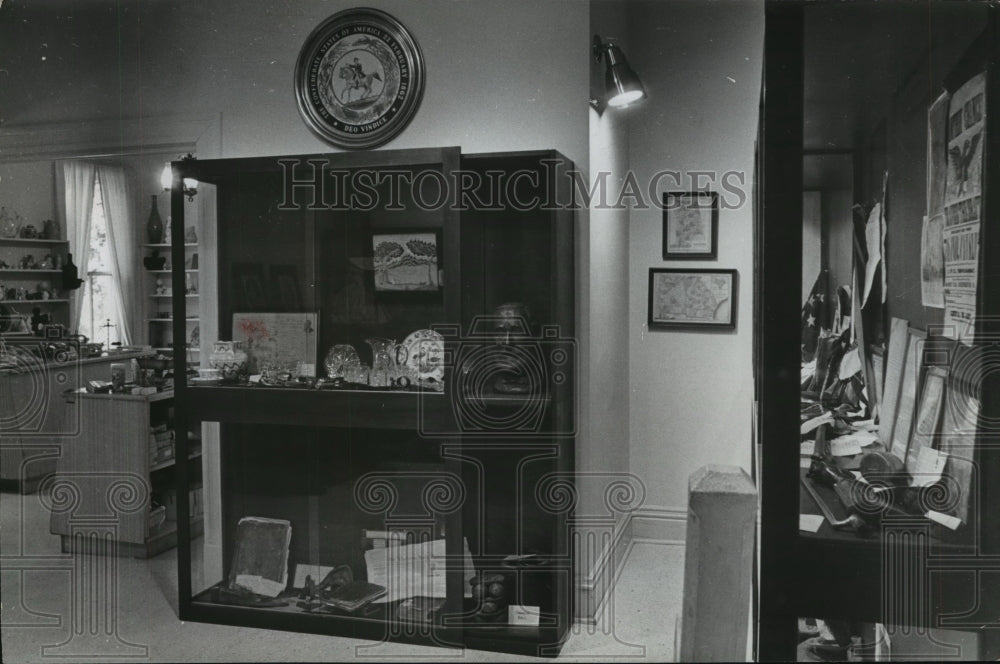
column 189, row 187
column 621, row 84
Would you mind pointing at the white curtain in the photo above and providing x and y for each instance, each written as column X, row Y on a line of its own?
column 119, row 212
column 75, row 191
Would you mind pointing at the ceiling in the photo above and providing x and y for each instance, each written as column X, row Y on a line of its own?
column 857, row 54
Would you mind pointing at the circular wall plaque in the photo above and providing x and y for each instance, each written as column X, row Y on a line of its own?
column 359, row 78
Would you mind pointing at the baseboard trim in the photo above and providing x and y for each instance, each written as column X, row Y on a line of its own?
column 660, row 525
column 646, row 525
column 593, row 589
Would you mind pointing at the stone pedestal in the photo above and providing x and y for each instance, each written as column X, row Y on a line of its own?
column 718, row 565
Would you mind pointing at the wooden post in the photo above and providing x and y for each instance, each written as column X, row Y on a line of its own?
column 718, row 566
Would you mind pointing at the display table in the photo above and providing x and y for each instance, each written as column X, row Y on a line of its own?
column 35, row 420
column 110, row 472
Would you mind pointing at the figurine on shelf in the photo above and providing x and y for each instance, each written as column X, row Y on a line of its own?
column 490, row 591
column 512, row 325
column 9, row 223
column 50, row 229
column 154, row 262
column 28, row 262
column 189, row 286
column 160, row 288
column 46, row 263
column 44, row 290
column 4, row 265
column 39, row 321
column 190, row 235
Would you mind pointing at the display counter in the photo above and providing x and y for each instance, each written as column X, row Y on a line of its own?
column 35, row 420
column 121, row 466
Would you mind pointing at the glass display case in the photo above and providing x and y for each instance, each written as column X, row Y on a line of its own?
column 389, row 400
column 863, row 374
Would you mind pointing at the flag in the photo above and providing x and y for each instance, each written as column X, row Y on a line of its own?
column 815, row 316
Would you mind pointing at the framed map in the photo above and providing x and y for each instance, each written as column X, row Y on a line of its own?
column 690, row 225
column 695, row 298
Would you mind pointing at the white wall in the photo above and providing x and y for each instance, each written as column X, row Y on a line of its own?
column 500, row 75
column 692, row 392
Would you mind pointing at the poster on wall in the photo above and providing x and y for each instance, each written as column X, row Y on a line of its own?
column 931, row 244
column 963, row 207
column 932, row 262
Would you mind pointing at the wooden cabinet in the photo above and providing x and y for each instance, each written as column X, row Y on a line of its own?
column 480, row 469
column 109, row 472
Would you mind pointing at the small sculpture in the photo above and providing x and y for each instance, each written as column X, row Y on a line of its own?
column 9, row 223
column 154, row 262
column 50, row 229
column 160, row 288
column 491, row 592
column 39, row 321
column 512, row 326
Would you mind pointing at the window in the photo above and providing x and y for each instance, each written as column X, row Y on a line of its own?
column 100, row 317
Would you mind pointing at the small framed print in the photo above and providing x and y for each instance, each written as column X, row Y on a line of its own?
column 284, row 283
column 693, row 299
column 406, row 262
column 359, row 78
column 690, row 225
column 249, row 287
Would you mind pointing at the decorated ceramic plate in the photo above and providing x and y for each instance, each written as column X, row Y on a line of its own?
column 425, row 354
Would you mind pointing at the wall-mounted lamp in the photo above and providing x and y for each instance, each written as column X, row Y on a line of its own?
column 621, row 84
column 189, row 187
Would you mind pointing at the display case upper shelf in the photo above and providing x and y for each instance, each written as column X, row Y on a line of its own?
column 340, row 408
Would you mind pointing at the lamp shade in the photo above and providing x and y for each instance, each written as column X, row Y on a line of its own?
column 620, row 82
column 167, row 177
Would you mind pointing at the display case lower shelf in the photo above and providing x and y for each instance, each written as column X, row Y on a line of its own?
column 382, row 625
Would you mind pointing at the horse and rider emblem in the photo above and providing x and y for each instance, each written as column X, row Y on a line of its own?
column 359, row 78
column 356, row 80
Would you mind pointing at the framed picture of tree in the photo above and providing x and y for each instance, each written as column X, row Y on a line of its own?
column 405, row 262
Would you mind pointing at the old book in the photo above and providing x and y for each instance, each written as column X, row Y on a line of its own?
column 260, row 559
column 353, row 596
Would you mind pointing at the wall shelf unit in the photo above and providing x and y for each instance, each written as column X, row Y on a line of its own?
column 16, row 282
column 159, row 292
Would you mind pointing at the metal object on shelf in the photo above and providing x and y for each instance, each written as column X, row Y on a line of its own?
column 851, row 522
